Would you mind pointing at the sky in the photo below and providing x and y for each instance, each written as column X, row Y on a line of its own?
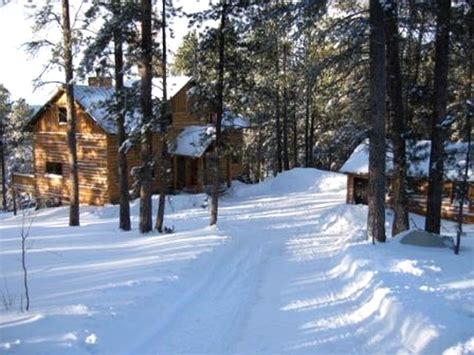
column 18, row 69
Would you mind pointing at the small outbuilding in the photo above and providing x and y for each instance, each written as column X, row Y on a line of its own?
column 357, row 170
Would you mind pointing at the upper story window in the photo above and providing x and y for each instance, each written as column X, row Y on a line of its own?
column 62, row 115
column 54, row 168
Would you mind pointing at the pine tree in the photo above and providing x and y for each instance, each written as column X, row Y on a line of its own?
column 18, row 138
column 165, row 119
column 376, row 213
column 146, row 152
column 71, row 115
column 5, row 109
column 118, row 27
column 440, row 98
column 396, row 119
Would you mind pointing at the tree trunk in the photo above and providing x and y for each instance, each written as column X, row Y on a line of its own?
column 397, row 120
column 163, row 125
column 146, row 152
column 440, row 98
column 286, row 160
column 376, row 213
column 311, row 135
column 295, row 134
column 124, row 217
column 4, row 175
column 464, row 189
column 306, row 125
column 71, row 117
column 277, row 110
column 220, row 109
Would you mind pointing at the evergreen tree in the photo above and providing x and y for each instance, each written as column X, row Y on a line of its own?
column 440, row 98
column 165, row 120
column 376, row 213
column 5, row 108
column 71, row 115
column 396, row 119
column 146, row 152
column 118, row 27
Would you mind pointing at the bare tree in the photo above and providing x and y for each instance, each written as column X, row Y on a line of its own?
column 376, row 213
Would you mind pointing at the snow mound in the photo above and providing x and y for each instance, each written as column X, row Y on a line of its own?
column 297, row 180
column 345, row 220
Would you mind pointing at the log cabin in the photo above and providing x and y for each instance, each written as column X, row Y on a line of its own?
column 357, row 166
column 190, row 143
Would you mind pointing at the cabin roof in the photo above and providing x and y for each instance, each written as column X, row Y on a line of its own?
column 92, row 98
column 418, row 156
column 193, row 141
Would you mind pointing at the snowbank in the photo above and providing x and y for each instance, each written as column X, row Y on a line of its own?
column 297, row 180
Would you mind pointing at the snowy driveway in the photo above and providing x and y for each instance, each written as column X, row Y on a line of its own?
column 279, row 275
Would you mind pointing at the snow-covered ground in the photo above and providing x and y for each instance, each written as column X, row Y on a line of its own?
column 286, row 271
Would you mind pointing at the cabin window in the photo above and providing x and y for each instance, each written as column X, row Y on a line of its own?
column 54, row 168
column 62, row 115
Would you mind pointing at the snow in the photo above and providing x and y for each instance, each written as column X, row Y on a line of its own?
column 192, row 141
column 173, row 85
column 418, row 156
column 287, row 270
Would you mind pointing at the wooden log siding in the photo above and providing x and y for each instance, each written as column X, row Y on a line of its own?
column 24, row 182
column 181, row 116
column 92, row 155
column 50, row 145
column 133, row 159
column 97, row 154
column 417, row 197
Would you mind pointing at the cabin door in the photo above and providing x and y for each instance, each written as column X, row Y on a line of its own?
column 181, row 178
column 361, row 191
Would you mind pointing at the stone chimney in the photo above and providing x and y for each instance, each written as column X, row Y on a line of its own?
column 101, row 81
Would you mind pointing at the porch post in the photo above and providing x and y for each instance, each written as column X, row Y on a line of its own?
column 175, row 173
column 229, row 177
column 200, row 174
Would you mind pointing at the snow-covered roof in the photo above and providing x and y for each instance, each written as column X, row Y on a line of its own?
column 92, row 99
column 193, row 141
column 418, row 156
column 173, row 85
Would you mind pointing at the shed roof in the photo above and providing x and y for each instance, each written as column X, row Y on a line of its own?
column 418, row 157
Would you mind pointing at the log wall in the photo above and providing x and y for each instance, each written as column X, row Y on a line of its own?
column 133, row 160
column 417, row 199
column 181, row 116
column 50, row 145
